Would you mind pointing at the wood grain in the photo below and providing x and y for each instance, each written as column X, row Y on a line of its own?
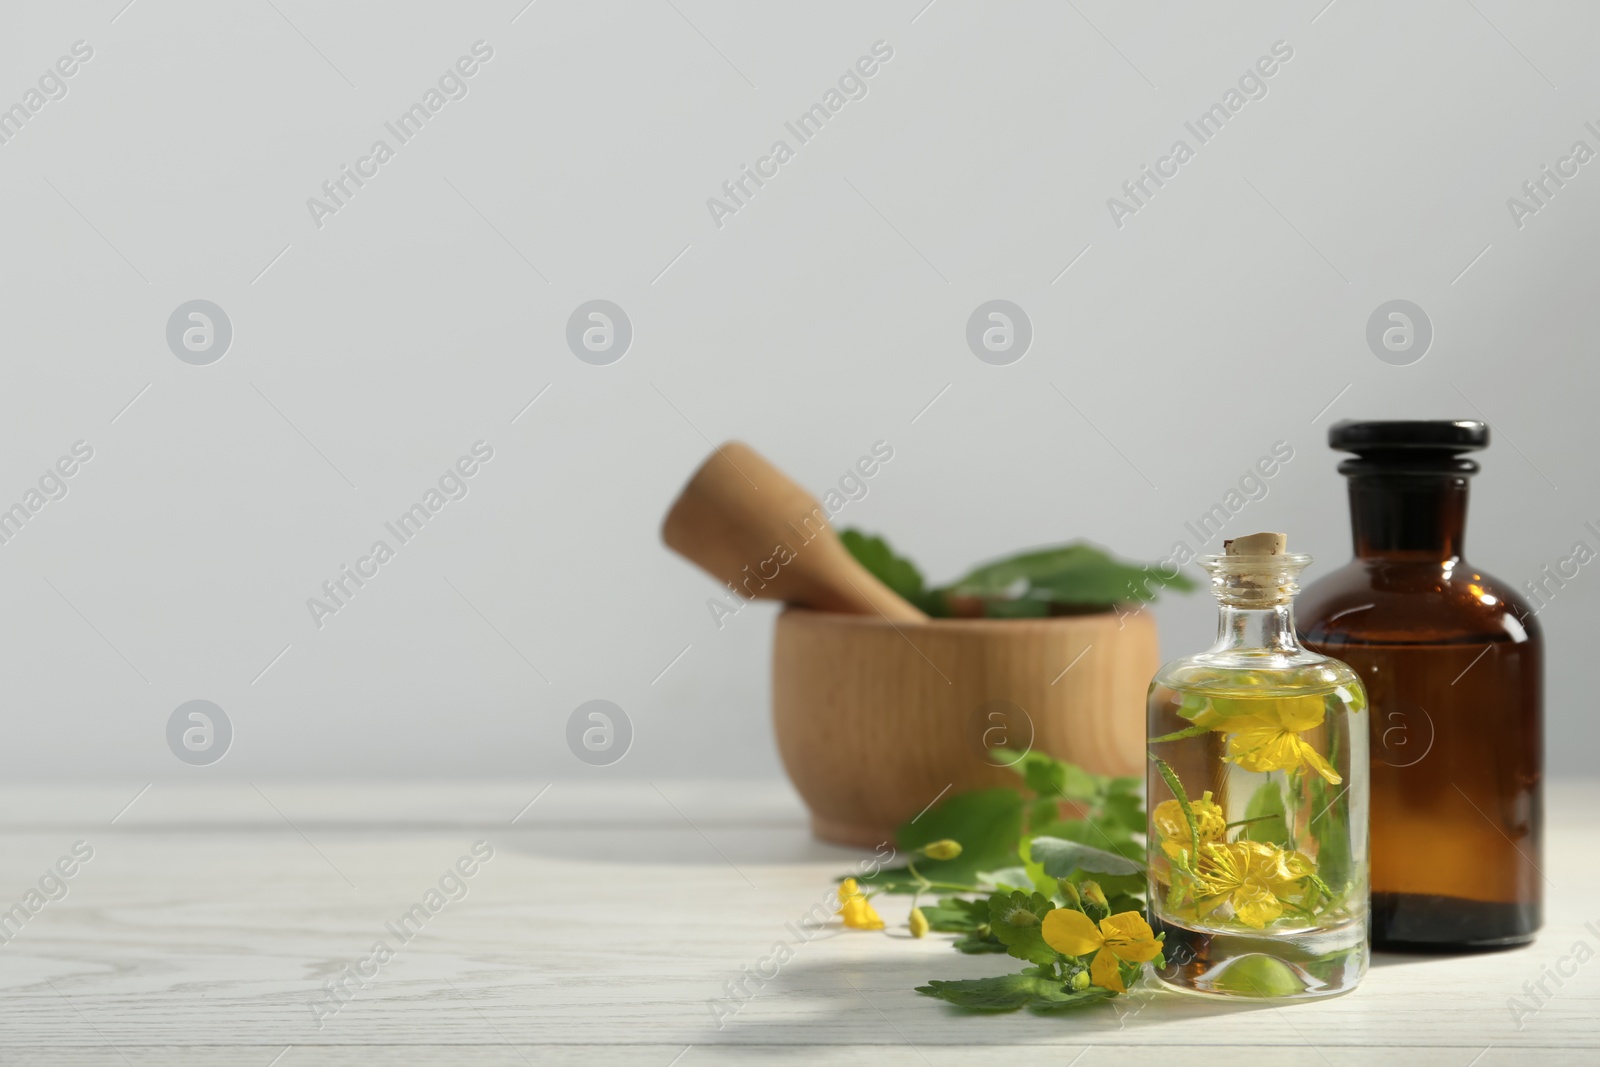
column 745, row 523
column 600, row 938
column 875, row 720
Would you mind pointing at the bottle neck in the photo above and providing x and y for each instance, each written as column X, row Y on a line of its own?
column 1408, row 516
column 1269, row 628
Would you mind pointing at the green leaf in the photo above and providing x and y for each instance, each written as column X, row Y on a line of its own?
column 1006, row 878
column 1008, row 992
column 896, row 572
column 1077, row 573
column 1079, row 784
column 901, row 880
column 1266, row 805
column 1122, row 815
column 957, row 915
column 1331, row 832
column 1192, row 705
column 1060, row 858
column 1096, row 835
column 1044, row 883
column 1052, row 778
column 1002, row 576
column 1126, row 885
column 1105, row 581
column 1121, row 902
column 1014, row 919
column 987, row 822
column 1043, row 812
column 978, row 943
column 1071, row 999
column 1018, row 608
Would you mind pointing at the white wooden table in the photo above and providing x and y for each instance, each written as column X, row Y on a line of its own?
column 208, row 919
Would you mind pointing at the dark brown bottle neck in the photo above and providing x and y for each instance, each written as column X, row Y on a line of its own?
column 1411, row 516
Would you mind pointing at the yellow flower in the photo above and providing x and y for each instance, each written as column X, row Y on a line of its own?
column 1125, row 936
column 1174, row 828
column 855, row 909
column 1264, row 735
column 1252, row 876
column 919, row 923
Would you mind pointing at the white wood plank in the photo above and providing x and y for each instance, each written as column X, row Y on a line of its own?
column 591, row 801
column 177, row 936
column 800, row 1056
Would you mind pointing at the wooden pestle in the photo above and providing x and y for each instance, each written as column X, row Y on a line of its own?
column 747, row 525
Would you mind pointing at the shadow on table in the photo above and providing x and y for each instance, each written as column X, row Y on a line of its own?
column 1441, row 959
column 859, row 1000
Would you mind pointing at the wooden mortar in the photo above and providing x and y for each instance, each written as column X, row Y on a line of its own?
column 876, row 720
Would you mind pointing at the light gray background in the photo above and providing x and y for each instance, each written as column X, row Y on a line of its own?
column 370, row 354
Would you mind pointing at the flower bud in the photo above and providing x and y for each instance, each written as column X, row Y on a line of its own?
column 919, row 923
column 1069, row 893
column 1080, row 981
column 944, row 849
column 1094, row 894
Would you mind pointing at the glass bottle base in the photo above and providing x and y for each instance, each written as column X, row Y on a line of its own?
column 1418, row 922
column 1276, row 965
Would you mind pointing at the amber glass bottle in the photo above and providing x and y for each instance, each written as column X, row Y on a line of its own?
column 1452, row 661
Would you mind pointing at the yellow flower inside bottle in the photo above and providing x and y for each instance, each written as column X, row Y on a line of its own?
column 1255, row 880
column 1173, row 828
column 1270, row 735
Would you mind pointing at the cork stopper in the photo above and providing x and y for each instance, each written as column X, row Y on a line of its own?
column 1256, row 544
column 1256, row 570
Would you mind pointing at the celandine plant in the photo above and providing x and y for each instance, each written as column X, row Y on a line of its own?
column 1051, row 874
column 1249, row 878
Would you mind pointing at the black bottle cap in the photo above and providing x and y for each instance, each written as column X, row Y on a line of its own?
column 1408, row 445
column 1449, row 435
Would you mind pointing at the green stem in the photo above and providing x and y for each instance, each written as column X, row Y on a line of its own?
column 1179, row 735
column 924, row 883
column 1171, row 778
column 1295, row 789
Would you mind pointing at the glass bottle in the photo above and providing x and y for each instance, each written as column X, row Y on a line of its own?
column 1264, row 892
column 1452, row 661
